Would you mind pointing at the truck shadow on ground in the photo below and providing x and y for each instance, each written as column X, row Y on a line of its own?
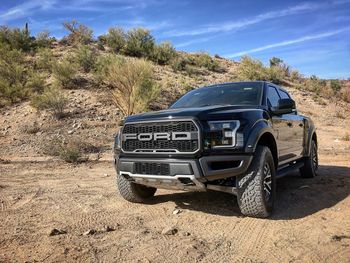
column 296, row 197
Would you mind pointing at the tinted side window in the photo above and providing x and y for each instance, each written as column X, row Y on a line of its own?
column 272, row 97
column 283, row 94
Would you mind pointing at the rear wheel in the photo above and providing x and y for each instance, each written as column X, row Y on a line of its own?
column 309, row 170
column 132, row 192
column 256, row 189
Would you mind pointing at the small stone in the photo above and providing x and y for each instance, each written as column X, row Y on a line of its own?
column 70, row 132
column 89, row 232
column 186, row 234
column 176, row 211
column 56, row 231
column 169, row 231
column 109, row 229
column 106, row 175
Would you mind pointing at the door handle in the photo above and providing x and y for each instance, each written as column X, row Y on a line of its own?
column 290, row 124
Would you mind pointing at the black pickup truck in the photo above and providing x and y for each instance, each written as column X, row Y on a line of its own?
column 234, row 137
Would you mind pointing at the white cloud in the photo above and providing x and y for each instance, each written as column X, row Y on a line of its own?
column 287, row 42
column 26, row 8
column 235, row 25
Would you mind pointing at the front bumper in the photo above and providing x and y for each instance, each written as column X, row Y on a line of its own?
column 182, row 174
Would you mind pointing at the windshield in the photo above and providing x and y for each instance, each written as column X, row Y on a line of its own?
column 229, row 94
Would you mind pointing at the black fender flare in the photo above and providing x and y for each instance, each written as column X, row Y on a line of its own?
column 259, row 129
column 311, row 133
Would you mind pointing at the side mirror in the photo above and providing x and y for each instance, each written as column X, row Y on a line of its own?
column 284, row 106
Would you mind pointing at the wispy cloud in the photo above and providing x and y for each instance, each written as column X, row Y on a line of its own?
column 26, row 8
column 235, row 25
column 288, row 42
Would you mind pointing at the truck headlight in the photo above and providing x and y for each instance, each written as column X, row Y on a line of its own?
column 223, row 133
column 118, row 141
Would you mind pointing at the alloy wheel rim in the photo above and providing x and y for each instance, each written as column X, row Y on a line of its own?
column 267, row 182
column 314, row 158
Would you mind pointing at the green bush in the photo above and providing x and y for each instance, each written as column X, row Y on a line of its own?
column 163, row 53
column 103, row 64
column 335, row 85
column 53, row 100
column 43, row 40
column 133, row 85
column 35, row 82
column 12, row 75
column 78, row 33
column 85, row 58
column 178, row 63
column 68, row 149
column 115, row 39
column 206, row 61
column 44, row 59
column 139, row 43
column 16, row 38
column 64, row 72
column 250, row 69
column 275, row 74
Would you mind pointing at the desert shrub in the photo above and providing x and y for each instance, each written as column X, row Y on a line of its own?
column 85, row 58
column 30, row 127
column 346, row 137
column 250, row 69
column 139, row 43
column 35, row 82
column 163, row 53
column 345, row 93
column 314, row 84
column 275, row 62
column 335, row 85
column 115, row 39
column 53, row 100
column 12, row 75
column 16, row 38
column 133, row 85
column 103, row 63
column 178, row 63
column 206, row 61
column 275, row 74
column 64, row 72
column 295, row 76
column 44, row 59
column 68, row 150
column 43, row 40
column 78, row 33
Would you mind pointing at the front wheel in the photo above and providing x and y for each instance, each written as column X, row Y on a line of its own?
column 132, row 192
column 256, row 189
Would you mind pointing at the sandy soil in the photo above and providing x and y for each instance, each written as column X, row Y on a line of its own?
column 311, row 222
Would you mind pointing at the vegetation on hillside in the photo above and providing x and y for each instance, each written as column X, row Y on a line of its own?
column 122, row 61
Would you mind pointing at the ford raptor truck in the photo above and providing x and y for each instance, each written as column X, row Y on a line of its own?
column 233, row 137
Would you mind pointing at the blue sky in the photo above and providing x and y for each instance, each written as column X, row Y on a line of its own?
column 311, row 36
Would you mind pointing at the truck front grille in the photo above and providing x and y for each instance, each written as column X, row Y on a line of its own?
column 152, row 168
column 161, row 137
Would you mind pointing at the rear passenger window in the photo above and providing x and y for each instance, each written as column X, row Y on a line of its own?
column 272, row 97
column 283, row 94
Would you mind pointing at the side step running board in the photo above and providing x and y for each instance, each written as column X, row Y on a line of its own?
column 289, row 169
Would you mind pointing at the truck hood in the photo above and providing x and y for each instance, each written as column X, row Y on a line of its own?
column 203, row 113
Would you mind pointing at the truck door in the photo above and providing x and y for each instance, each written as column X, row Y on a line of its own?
column 297, row 124
column 282, row 126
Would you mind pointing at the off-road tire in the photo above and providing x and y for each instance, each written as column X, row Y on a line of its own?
column 132, row 192
column 309, row 170
column 253, row 199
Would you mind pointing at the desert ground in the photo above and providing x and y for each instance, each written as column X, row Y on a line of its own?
column 52, row 211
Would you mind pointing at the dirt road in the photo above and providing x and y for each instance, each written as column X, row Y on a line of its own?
column 311, row 222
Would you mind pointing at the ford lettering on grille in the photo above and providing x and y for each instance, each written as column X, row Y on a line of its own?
column 160, row 137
